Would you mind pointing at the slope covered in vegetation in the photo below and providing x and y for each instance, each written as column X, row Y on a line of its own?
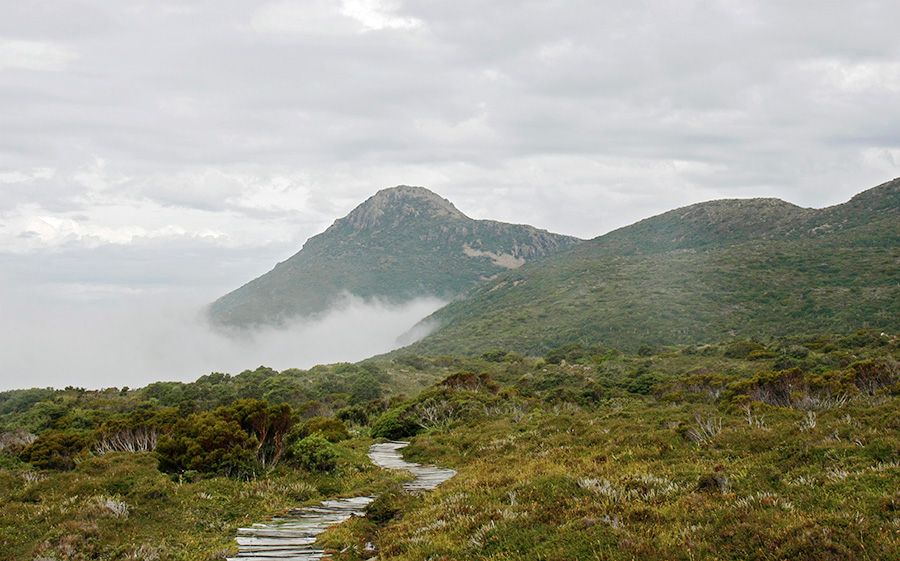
column 740, row 450
column 737, row 451
column 752, row 268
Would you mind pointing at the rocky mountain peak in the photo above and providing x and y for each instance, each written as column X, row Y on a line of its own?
column 396, row 204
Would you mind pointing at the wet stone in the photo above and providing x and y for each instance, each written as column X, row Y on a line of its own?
column 293, row 537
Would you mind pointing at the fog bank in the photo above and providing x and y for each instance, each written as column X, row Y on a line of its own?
column 99, row 337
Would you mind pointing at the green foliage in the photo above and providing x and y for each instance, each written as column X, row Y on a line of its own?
column 239, row 440
column 395, row 424
column 796, row 388
column 470, row 381
column 57, row 449
column 64, row 514
column 742, row 349
column 494, row 355
column 314, row 453
column 329, row 428
column 390, row 505
column 571, row 353
column 415, row 361
column 684, row 453
column 354, row 414
column 209, row 443
column 17, row 401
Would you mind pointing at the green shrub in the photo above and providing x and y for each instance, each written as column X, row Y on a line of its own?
column 471, row 382
column 208, row 443
column 314, row 453
column 333, row 430
column 569, row 353
column 741, row 349
column 415, row 361
column 762, row 354
column 57, row 449
column 872, row 375
column 395, row 424
column 354, row 415
column 642, row 383
column 388, row 506
column 495, row 355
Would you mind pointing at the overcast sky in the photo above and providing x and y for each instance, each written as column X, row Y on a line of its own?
column 163, row 145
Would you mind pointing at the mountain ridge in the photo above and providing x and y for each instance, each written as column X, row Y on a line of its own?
column 705, row 272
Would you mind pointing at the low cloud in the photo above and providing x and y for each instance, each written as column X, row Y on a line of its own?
column 88, row 336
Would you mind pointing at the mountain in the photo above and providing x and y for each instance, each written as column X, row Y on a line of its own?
column 402, row 243
column 706, row 272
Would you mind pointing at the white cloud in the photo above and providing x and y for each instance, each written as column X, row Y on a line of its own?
column 378, row 14
column 858, row 77
column 551, row 52
column 314, row 17
column 883, row 158
column 472, row 129
column 34, row 55
column 26, row 176
column 329, row 17
column 97, row 180
column 32, row 230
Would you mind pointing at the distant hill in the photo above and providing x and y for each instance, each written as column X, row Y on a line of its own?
column 706, row 272
column 402, row 243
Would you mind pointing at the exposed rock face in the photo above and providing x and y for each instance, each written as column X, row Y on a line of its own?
column 402, row 243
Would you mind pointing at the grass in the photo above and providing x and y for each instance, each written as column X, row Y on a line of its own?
column 119, row 506
column 621, row 483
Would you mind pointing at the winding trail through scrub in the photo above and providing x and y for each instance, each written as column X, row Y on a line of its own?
column 293, row 537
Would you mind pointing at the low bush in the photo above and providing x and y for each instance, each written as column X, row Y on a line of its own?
column 742, row 349
column 57, row 449
column 389, row 505
column 330, row 428
column 395, row 424
column 315, row 454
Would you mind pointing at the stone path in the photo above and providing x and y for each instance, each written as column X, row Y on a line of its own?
column 293, row 537
column 387, row 455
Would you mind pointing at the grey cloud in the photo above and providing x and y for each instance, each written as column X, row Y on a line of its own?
column 576, row 116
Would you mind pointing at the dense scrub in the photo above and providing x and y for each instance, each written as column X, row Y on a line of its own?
column 695, row 453
column 171, row 470
column 741, row 450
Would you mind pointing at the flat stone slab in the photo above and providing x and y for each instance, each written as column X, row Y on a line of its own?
column 293, row 537
column 387, row 455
